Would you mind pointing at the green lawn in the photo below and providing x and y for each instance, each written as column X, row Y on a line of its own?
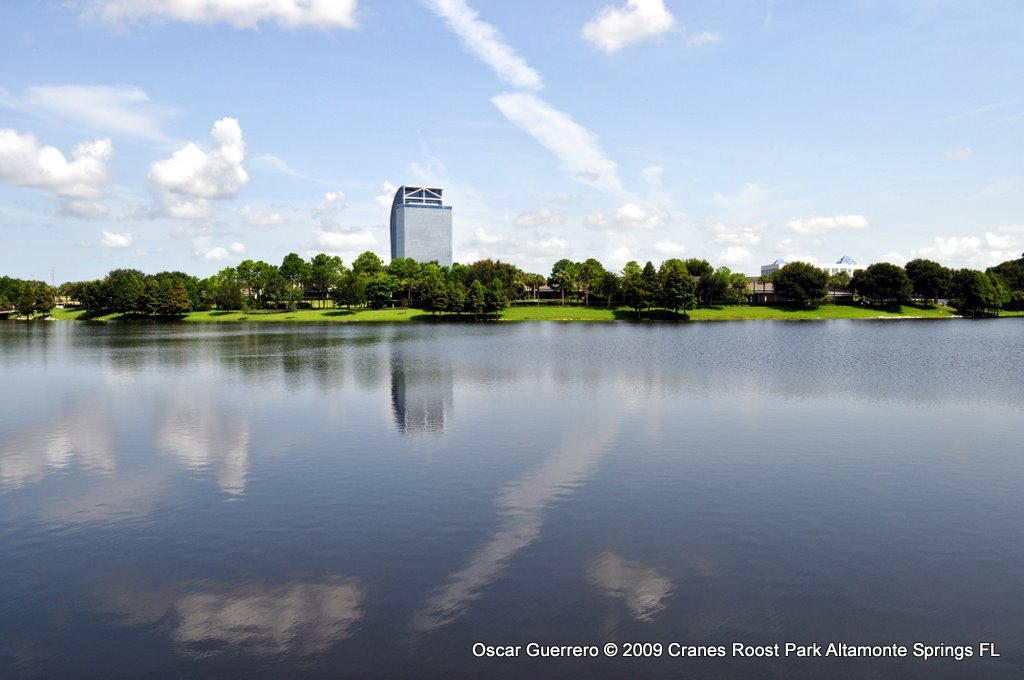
column 552, row 313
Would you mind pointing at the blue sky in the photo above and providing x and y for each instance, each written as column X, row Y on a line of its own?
column 192, row 134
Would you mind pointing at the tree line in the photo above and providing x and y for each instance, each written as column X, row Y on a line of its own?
column 482, row 289
column 969, row 291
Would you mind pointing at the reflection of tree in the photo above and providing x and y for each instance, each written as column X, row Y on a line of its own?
column 297, row 618
column 201, row 434
column 522, row 507
column 642, row 588
column 80, row 433
column 421, row 392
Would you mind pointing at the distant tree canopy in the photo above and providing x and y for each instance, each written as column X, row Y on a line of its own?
column 676, row 285
column 928, row 279
column 882, row 283
column 975, row 293
column 801, row 282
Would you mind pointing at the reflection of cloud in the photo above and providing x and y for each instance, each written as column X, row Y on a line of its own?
column 81, row 433
column 521, row 507
column 643, row 589
column 297, row 618
column 200, row 435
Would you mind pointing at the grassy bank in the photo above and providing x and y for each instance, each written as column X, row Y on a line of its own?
column 547, row 313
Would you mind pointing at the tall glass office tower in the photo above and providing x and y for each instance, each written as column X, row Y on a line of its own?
column 421, row 227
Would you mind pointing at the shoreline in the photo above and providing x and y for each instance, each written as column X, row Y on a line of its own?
column 542, row 313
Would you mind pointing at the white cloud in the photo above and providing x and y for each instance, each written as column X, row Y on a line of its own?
column 669, row 248
column 823, row 225
column 703, row 38
column 238, row 13
column 973, row 250
column 113, row 240
column 386, row 197
column 996, row 188
column 548, row 246
column 959, row 154
column 652, row 175
column 628, row 217
column 261, row 218
column 734, row 256
column 485, row 41
column 616, row 27
column 202, row 248
column 328, row 211
column 743, row 236
column 1011, row 229
column 26, row 164
column 543, row 217
column 481, row 237
column 575, row 147
column 83, row 208
column 121, row 109
column 192, row 176
column 894, row 257
column 344, row 243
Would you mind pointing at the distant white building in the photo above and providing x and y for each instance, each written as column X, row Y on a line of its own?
column 844, row 264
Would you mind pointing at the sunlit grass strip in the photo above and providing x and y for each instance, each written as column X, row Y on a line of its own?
column 547, row 313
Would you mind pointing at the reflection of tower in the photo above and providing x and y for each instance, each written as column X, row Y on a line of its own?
column 421, row 392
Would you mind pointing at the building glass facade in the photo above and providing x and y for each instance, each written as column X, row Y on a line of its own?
column 421, row 225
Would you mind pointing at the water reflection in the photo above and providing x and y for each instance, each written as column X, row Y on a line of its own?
column 205, row 618
column 643, row 589
column 200, row 433
column 421, row 392
column 521, row 506
column 81, row 432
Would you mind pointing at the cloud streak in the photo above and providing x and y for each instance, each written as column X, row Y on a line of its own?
column 576, row 147
column 240, row 14
column 486, row 42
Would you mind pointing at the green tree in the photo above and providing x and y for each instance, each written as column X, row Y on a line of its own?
column 367, row 263
column 801, row 282
column 476, row 299
column 838, row 281
column 678, row 288
column 738, row 287
column 564, row 277
column 928, row 279
column 495, row 298
column 456, row 297
column 407, row 273
column 882, row 283
column 976, row 293
column 634, row 288
column 380, row 287
column 125, row 288
column 324, row 271
column 591, row 273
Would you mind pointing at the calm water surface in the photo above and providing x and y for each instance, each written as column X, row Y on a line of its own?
column 369, row 501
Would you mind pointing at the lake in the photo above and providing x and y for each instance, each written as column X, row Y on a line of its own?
column 372, row 501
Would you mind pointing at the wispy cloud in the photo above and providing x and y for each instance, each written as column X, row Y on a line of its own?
column 238, row 13
column 118, row 109
column 959, row 154
column 823, row 225
column 703, row 38
column 486, row 42
column 575, row 147
column 616, row 27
